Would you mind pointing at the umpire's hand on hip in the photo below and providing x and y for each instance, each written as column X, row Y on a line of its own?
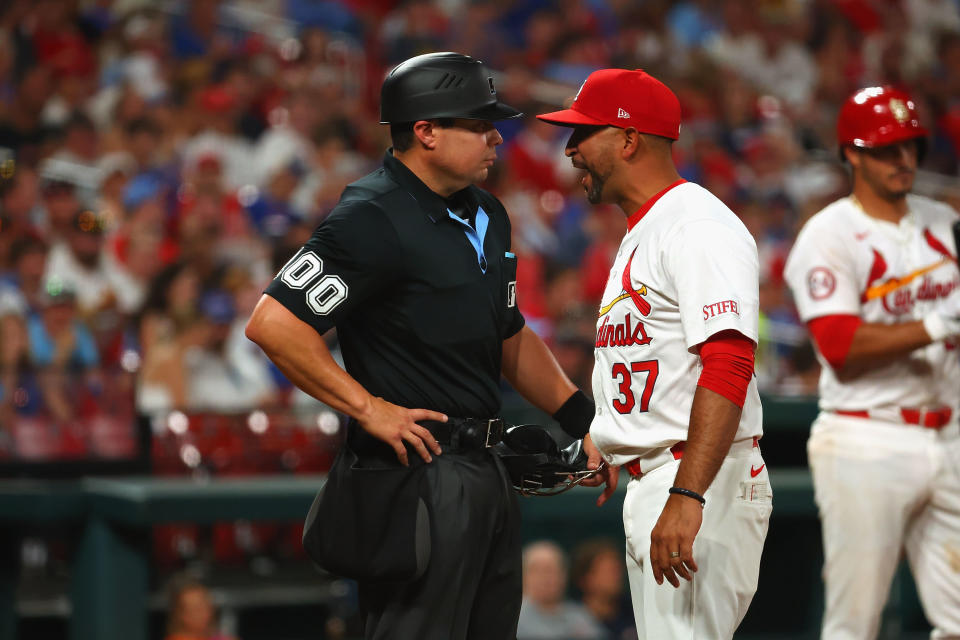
column 394, row 424
column 674, row 532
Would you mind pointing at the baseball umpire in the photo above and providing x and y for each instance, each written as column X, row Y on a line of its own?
column 677, row 401
column 413, row 267
column 874, row 276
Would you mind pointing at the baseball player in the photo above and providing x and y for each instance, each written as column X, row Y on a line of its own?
column 677, row 402
column 874, row 276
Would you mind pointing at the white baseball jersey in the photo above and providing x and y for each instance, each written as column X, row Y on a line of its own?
column 686, row 269
column 847, row 262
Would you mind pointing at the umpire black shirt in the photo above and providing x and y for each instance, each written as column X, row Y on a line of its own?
column 422, row 301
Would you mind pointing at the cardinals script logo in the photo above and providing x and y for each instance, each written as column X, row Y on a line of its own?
column 630, row 332
column 899, row 294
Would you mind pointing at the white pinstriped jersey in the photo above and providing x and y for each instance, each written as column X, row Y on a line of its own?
column 847, row 262
column 686, row 270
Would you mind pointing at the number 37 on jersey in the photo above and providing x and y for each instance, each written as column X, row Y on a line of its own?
column 634, row 378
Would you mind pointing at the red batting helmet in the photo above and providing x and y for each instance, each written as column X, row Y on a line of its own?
column 878, row 116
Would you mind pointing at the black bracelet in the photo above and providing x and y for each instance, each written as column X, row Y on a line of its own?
column 690, row 494
column 576, row 414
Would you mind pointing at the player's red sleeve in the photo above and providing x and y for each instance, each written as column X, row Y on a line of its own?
column 727, row 365
column 834, row 335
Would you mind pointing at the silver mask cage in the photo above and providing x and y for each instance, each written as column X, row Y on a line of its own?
column 533, row 485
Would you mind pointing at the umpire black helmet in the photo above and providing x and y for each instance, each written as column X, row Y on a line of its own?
column 441, row 85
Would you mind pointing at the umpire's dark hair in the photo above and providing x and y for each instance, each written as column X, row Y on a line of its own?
column 402, row 137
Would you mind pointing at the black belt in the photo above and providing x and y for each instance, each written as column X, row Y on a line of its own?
column 467, row 433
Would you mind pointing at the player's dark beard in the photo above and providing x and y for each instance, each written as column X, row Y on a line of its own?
column 894, row 195
column 596, row 187
column 881, row 189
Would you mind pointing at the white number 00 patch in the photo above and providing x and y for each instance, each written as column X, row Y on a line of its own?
column 324, row 296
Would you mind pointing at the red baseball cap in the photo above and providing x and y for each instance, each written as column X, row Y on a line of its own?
column 622, row 98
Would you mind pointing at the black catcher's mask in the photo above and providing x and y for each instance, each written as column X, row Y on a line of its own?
column 537, row 465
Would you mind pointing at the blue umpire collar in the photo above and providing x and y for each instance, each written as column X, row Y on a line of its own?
column 434, row 206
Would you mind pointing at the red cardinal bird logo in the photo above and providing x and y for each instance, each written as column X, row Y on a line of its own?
column 629, row 292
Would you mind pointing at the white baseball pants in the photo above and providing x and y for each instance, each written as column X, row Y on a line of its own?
column 883, row 488
column 727, row 550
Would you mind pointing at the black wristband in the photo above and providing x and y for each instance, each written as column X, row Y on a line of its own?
column 690, row 494
column 576, row 414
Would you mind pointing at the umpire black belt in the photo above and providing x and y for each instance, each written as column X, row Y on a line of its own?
column 467, row 433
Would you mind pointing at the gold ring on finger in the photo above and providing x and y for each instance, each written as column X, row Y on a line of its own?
column 674, row 554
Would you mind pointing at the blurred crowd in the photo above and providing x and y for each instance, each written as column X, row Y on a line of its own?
column 191, row 613
column 577, row 596
column 599, row 608
column 161, row 160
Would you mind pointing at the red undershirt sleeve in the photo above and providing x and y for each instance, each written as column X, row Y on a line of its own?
column 727, row 359
column 834, row 335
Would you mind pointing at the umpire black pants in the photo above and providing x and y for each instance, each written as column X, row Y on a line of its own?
column 471, row 589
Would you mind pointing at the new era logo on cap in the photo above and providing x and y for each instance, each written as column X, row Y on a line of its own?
column 644, row 103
